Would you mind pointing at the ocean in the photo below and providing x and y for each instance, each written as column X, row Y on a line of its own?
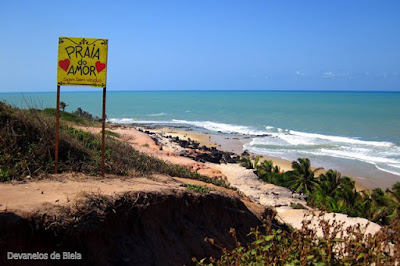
column 354, row 132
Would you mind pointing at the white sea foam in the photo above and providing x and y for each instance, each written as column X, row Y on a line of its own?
column 396, row 172
column 158, row 114
column 389, row 165
column 291, row 144
column 133, row 121
column 284, row 142
column 349, row 154
column 297, row 137
column 212, row 126
column 221, row 127
column 267, row 152
column 341, row 139
column 121, row 120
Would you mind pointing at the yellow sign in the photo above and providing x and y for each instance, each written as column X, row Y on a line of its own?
column 82, row 62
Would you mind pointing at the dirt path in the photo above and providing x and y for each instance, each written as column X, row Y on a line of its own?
column 266, row 194
column 30, row 196
column 167, row 151
column 63, row 189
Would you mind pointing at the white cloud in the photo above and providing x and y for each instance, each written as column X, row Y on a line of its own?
column 299, row 73
column 332, row 75
column 328, row 75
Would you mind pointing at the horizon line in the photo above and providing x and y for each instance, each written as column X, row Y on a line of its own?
column 222, row 90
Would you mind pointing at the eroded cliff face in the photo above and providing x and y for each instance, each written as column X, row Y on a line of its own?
column 153, row 228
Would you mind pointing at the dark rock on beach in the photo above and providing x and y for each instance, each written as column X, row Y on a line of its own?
column 204, row 153
column 245, row 153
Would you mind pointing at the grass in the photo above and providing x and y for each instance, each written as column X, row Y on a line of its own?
column 297, row 206
column 197, row 188
column 27, row 148
column 246, row 162
column 112, row 134
column 70, row 117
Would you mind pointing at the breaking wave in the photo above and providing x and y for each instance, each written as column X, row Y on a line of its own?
column 291, row 144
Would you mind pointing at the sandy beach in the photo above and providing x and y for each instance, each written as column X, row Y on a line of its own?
column 235, row 144
column 173, row 146
column 244, row 180
column 200, row 133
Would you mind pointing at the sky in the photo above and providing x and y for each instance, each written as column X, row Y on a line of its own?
column 210, row 44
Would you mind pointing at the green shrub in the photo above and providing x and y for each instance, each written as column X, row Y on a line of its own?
column 70, row 117
column 335, row 193
column 27, row 148
column 246, row 162
column 198, row 188
column 337, row 246
column 112, row 134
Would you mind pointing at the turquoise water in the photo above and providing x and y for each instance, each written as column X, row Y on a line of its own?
column 331, row 128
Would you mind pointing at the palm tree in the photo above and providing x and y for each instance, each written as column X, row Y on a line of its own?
column 266, row 166
column 256, row 160
column 79, row 111
column 333, row 184
column 384, row 206
column 330, row 181
column 63, row 105
column 303, row 180
column 269, row 173
column 246, row 162
column 363, row 206
column 264, row 171
column 394, row 194
column 277, row 169
column 335, row 205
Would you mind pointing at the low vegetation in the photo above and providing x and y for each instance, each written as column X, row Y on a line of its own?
column 246, row 162
column 27, row 149
column 70, row 117
column 337, row 246
column 198, row 188
column 88, row 116
column 27, row 139
column 333, row 192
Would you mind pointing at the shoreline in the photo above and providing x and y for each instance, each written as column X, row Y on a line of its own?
column 235, row 144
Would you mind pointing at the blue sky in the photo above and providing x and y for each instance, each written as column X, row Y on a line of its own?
column 209, row 45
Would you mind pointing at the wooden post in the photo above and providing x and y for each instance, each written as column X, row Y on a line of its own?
column 57, row 130
column 103, row 133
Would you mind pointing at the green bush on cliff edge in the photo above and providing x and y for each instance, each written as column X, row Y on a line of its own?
column 27, row 140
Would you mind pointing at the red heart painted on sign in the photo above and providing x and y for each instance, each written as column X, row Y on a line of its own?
column 100, row 66
column 64, row 64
